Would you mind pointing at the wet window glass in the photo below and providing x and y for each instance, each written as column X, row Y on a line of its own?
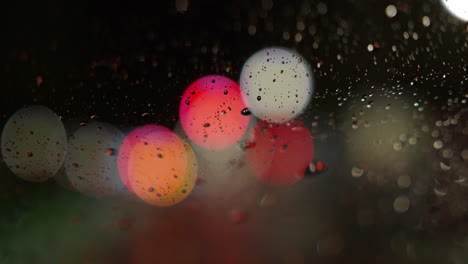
column 202, row 131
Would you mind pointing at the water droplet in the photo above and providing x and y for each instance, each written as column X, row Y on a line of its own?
column 259, row 98
column 248, row 145
column 110, row 152
column 357, row 172
column 445, row 166
column 440, row 192
column 438, row 144
column 316, row 167
column 206, row 125
column 413, row 140
column 246, row 112
column 397, row 146
column 29, row 154
column 225, row 92
column 355, row 124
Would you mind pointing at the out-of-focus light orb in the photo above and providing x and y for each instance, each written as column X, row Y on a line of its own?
column 188, row 182
column 277, row 84
column 391, row 11
column 280, row 153
column 162, row 168
column 71, row 126
column 458, row 8
column 210, row 112
column 34, row 143
column 91, row 162
column 125, row 150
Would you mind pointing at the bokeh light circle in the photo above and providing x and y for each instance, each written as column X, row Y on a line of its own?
column 458, row 8
column 71, row 126
column 125, row 151
column 210, row 112
column 277, row 84
column 161, row 167
column 91, row 163
column 280, row 153
column 34, row 143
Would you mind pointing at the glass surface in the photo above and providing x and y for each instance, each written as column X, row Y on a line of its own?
column 372, row 169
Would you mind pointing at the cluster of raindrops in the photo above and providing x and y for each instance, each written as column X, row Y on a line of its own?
column 277, row 84
column 91, row 161
column 158, row 166
column 210, row 112
column 34, row 143
column 282, row 152
column 213, row 115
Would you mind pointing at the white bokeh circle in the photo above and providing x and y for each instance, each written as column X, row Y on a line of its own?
column 91, row 161
column 34, row 143
column 458, row 8
column 277, row 84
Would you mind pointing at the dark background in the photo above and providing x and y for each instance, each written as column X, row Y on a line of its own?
column 115, row 58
